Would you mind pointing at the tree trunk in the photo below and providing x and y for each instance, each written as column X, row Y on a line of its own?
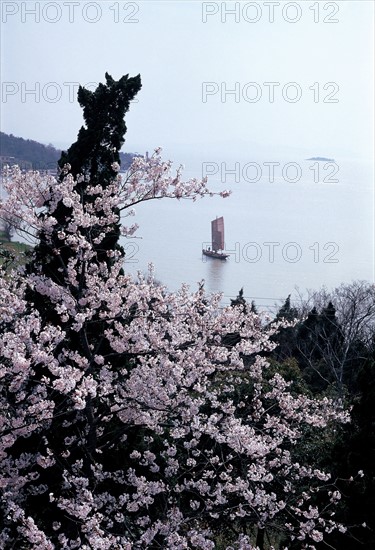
column 260, row 538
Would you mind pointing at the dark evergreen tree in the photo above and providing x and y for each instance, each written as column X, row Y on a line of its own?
column 308, row 352
column 98, row 145
column 90, row 161
column 320, row 350
column 287, row 311
column 330, row 328
column 355, row 452
column 308, row 329
column 239, row 301
column 286, row 336
column 231, row 339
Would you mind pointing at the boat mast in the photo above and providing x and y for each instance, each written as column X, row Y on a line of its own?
column 217, row 234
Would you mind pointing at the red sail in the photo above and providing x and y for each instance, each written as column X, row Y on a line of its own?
column 217, row 230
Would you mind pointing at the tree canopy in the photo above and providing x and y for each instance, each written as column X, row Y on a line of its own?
column 127, row 417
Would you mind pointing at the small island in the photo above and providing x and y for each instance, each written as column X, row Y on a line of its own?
column 324, row 159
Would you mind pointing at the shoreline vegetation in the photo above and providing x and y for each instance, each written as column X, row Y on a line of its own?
column 29, row 154
column 13, row 252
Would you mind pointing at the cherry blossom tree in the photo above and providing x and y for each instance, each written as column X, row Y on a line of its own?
column 127, row 420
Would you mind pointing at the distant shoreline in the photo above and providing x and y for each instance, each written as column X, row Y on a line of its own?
column 322, row 159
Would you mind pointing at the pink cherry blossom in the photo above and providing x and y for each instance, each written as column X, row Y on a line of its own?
column 125, row 419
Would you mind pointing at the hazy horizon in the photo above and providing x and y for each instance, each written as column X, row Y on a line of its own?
column 213, row 82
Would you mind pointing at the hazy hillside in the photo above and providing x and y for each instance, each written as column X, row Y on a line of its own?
column 30, row 154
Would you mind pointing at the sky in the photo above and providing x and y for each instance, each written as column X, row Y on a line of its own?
column 208, row 69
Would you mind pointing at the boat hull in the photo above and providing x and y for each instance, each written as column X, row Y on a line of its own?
column 216, row 255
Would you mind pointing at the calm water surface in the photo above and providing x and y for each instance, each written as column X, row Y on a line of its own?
column 279, row 235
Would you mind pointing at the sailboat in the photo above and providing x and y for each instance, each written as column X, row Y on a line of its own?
column 217, row 240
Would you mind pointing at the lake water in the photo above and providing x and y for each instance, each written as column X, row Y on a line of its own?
column 279, row 235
